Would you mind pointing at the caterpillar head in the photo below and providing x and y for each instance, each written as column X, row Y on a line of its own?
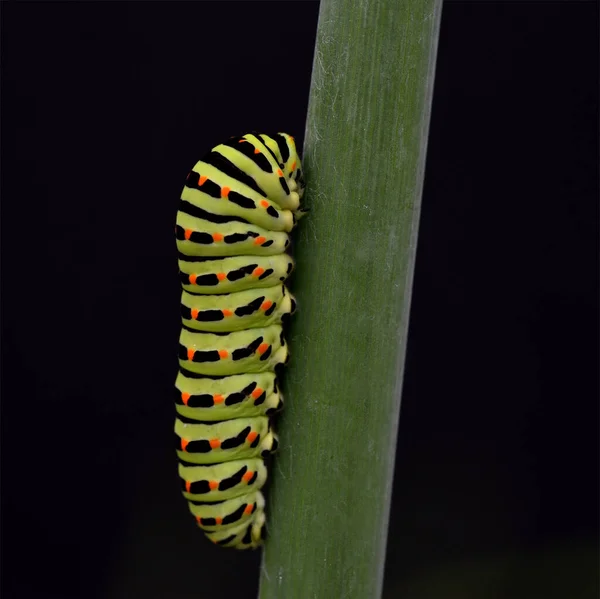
column 271, row 160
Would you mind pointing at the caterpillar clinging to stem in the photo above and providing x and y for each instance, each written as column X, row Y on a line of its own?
column 237, row 208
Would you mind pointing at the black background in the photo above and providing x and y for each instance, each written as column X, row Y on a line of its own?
column 106, row 106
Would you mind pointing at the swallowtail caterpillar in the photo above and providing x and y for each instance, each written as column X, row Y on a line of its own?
column 237, row 208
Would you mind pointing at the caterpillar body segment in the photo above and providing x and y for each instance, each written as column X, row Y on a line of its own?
column 252, row 350
column 221, row 441
column 227, row 275
column 224, row 480
column 217, row 516
column 239, row 204
column 200, row 237
column 238, row 396
column 221, row 204
column 237, row 311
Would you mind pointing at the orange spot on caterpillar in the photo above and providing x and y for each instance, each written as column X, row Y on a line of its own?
column 194, row 313
column 185, row 398
column 193, row 279
column 260, row 240
column 188, row 485
column 225, row 191
column 218, row 398
column 256, row 151
column 191, row 353
column 249, row 509
column 219, row 520
column 251, row 436
column 262, row 348
column 184, row 444
column 221, row 276
column 258, row 271
column 227, row 313
column 199, row 520
column 279, row 173
column 215, row 443
column 247, row 476
column 202, row 180
column 257, row 393
column 213, row 484
column 188, row 233
column 217, row 237
column 242, row 140
column 294, row 165
column 223, row 354
column 266, row 305
column 264, row 203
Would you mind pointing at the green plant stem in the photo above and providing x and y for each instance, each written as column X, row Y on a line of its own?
column 364, row 161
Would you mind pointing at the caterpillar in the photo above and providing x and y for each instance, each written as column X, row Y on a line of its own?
column 236, row 211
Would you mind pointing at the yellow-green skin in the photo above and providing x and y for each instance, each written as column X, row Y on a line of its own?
column 238, row 206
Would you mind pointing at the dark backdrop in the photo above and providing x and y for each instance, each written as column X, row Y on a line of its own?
column 106, row 106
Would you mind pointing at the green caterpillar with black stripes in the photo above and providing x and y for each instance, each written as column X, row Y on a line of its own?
column 237, row 208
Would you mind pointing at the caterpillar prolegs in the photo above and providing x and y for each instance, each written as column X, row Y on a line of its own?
column 237, row 208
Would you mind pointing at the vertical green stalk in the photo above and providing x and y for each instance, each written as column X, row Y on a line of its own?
column 364, row 161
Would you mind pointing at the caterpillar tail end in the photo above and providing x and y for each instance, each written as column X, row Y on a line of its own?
column 250, row 535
